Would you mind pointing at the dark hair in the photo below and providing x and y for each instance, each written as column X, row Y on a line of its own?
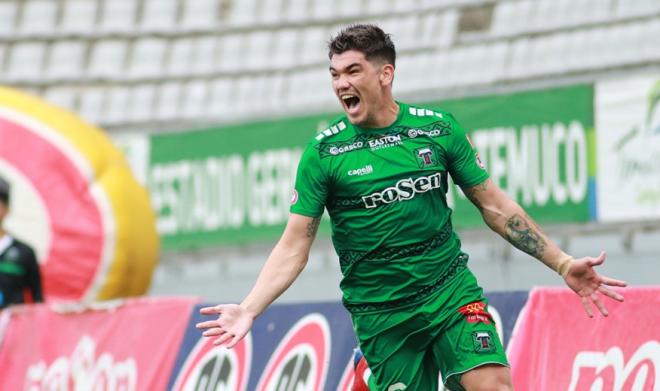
column 4, row 191
column 366, row 38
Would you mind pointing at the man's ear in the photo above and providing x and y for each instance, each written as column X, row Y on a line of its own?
column 386, row 74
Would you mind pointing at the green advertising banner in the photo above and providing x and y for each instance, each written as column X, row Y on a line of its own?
column 538, row 146
column 232, row 185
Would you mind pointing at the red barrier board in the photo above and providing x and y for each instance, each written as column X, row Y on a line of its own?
column 129, row 346
column 556, row 346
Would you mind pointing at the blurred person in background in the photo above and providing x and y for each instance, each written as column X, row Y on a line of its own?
column 19, row 269
column 381, row 170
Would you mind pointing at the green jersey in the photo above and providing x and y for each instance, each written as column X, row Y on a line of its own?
column 385, row 191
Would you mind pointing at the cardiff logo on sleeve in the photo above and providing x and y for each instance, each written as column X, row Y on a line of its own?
column 300, row 361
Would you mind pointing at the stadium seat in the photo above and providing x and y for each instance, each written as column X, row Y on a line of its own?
column 66, row 59
column 159, row 15
column 25, row 61
column 8, row 11
column 179, row 56
column 219, row 97
column 242, row 12
column 313, row 46
column 637, row 7
column 194, row 102
column 90, row 104
column 256, row 53
column 231, row 52
column 118, row 16
column 117, row 104
column 199, row 14
column 64, row 97
column 286, row 48
column 270, row 11
column 107, row 58
column 169, row 100
column 324, row 10
column 204, row 55
column 78, row 16
column 141, row 103
column 147, row 57
column 296, row 11
column 38, row 17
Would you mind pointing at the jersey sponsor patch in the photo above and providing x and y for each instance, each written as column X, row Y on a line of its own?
column 396, row 136
column 294, row 197
column 403, row 190
column 368, row 169
column 475, row 312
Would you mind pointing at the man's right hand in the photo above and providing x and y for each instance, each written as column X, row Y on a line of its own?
column 233, row 323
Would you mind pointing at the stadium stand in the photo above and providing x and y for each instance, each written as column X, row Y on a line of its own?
column 204, row 61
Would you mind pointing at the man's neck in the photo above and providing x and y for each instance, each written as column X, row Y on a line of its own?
column 387, row 115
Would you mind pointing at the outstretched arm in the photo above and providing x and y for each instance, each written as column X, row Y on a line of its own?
column 286, row 261
column 509, row 220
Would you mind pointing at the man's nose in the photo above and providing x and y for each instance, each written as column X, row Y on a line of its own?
column 341, row 82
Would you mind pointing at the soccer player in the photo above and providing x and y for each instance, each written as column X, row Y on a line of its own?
column 19, row 269
column 381, row 171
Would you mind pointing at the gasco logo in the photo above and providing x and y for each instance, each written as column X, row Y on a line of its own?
column 300, row 362
column 210, row 367
column 609, row 371
column 403, row 190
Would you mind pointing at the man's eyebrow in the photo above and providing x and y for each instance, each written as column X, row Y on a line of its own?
column 348, row 67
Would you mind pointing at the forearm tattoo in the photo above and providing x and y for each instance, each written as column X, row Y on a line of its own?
column 313, row 227
column 520, row 234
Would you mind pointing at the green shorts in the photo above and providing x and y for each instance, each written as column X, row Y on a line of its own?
column 449, row 332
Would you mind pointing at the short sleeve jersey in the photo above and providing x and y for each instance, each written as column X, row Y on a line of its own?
column 385, row 191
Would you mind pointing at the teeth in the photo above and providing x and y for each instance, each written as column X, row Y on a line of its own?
column 347, row 96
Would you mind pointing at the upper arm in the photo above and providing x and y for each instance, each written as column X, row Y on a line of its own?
column 300, row 232
column 464, row 164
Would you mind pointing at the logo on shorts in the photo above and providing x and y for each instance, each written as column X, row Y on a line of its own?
column 483, row 341
column 475, row 312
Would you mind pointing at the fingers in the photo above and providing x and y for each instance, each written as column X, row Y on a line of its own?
column 234, row 341
column 598, row 260
column 610, row 293
column 599, row 304
column 211, row 310
column 208, row 324
column 213, row 332
column 222, row 339
column 587, row 307
column 613, row 282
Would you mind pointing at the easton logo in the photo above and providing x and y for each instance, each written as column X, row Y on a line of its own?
column 210, row 367
column 300, row 361
column 403, row 190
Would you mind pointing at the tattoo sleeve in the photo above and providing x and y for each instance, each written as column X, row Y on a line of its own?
column 313, row 227
column 523, row 236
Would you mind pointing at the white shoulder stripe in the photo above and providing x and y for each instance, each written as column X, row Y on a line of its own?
column 334, row 129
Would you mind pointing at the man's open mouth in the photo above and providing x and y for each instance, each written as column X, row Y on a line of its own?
column 350, row 101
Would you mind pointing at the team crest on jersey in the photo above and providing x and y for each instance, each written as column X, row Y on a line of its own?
column 483, row 341
column 426, row 156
